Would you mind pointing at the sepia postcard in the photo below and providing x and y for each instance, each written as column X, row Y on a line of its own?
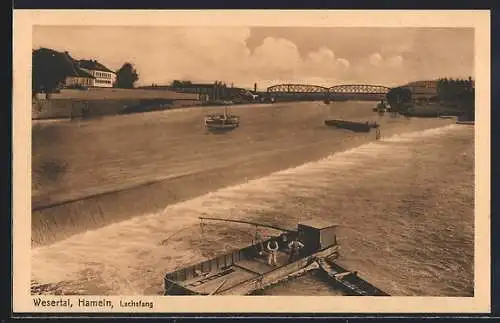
column 286, row 161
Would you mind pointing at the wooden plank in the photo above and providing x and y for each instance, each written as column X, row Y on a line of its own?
column 247, row 269
column 232, row 279
column 248, row 222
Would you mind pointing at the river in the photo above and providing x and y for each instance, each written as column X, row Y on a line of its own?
column 405, row 203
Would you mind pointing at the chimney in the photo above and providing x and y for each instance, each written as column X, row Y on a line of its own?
column 255, row 87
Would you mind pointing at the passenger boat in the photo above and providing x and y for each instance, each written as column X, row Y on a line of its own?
column 222, row 121
column 246, row 271
column 351, row 125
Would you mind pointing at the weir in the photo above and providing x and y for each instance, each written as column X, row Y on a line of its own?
column 62, row 219
column 342, row 185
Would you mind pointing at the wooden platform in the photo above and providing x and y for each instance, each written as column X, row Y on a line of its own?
column 244, row 271
column 238, row 272
column 260, row 266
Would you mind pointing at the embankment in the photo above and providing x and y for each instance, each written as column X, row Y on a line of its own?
column 96, row 102
column 118, row 94
column 88, row 174
column 72, row 108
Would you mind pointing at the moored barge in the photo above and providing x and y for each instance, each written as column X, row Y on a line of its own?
column 352, row 125
column 247, row 271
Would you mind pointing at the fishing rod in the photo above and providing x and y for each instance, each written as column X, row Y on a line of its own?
column 248, row 222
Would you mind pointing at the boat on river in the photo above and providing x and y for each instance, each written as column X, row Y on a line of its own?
column 352, row 125
column 222, row 121
column 382, row 107
column 246, row 271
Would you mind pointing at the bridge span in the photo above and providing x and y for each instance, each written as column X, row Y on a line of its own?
column 339, row 92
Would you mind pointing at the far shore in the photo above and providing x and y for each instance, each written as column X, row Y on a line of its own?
column 178, row 108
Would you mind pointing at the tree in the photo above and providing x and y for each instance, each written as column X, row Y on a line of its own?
column 457, row 92
column 180, row 84
column 399, row 98
column 49, row 70
column 126, row 76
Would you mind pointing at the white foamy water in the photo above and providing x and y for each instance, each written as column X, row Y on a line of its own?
column 131, row 257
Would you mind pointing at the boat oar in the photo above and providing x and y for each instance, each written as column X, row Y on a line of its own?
column 218, row 288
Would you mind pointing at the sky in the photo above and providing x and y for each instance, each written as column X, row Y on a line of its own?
column 271, row 55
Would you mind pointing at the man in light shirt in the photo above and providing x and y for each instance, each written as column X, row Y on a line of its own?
column 295, row 247
column 272, row 248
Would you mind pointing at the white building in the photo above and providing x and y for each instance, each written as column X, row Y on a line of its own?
column 76, row 76
column 103, row 76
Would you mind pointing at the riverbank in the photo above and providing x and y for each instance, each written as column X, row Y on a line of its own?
column 435, row 110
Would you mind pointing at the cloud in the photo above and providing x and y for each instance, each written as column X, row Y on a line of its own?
column 297, row 55
column 395, row 61
column 227, row 57
column 322, row 67
column 379, row 69
column 200, row 54
column 343, row 62
column 375, row 59
column 274, row 58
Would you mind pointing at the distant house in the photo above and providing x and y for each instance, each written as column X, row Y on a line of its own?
column 207, row 91
column 88, row 73
column 211, row 91
column 53, row 70
column 77, row 76
column 423, row 90
column 102, row 76
column 428, row 90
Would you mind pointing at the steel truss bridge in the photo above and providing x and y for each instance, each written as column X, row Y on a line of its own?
column 315, row 92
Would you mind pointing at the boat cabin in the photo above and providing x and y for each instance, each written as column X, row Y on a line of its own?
column 317, row 235
column 243, row 271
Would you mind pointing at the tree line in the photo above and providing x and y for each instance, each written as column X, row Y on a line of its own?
column 458, row 93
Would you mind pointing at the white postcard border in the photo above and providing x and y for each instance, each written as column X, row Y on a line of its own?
column 24, row 20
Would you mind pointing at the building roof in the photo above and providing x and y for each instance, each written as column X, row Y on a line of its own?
column 63, row 61
column 194, row 86
column 93, row 65
column 319, row 224
column 426, row 83
column 76, row 70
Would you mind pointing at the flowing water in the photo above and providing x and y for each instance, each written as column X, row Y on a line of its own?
column 405, row 203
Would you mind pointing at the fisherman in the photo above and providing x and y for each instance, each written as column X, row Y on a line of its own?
column 272, row 247
column 295, row 247
column 259, row 244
